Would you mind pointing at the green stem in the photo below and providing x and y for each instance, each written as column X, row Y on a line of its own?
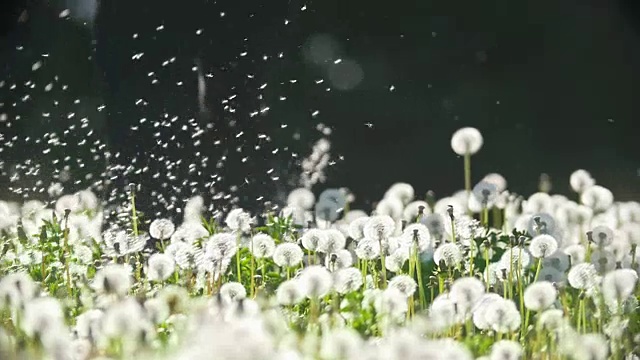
column 134, row 213
column 238, row 274
column 382, row 261
column 467, row 177
column 423, row 301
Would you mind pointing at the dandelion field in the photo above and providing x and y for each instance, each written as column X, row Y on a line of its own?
column 481, row 274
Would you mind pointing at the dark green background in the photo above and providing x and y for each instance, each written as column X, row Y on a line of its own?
column 549, row 83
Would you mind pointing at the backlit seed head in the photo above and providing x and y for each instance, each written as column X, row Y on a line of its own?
column 466, row 140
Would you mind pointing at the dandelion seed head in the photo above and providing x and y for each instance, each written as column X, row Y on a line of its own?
column 416, row 234
column 396, row 260
column 289, row 293
column 156, row 310
column 551, row 319
column 443, row 313
column 580, row 180
column 160, row 267
column 288, row 255
column 43, row 317
column 311, row 238
column 466, row 291
column 391, row 207
column 603, row 260
column 618, row 285
column 328, row 211
column 582, row 276
column 543, row 246
column 341, row 343
column 520, row 258
column 368, row 249
column 597, row 198
column 262, row 246
column 485, row 193
column 602, row 236
column 189, row 232
column 503, row 316
column 302, row 198
column 392, row 303
column 233, row 291
column 479, row 309
column 591, row 347
column 113, row 279
column 539, row 202
column 221, row 246
column 239, row 220
column 339, row 260
column 448, row 253
column 506, row 350
column 356, row 228
column 332, row 242
column 539, row 296
column 16, row 289
column 466, row 140
column 161, row 229
column 89, row 324
column 404, row 284
column 401, row 191
column 316, row 281
column 123, row 319
column 498, row 180
column 347, row 280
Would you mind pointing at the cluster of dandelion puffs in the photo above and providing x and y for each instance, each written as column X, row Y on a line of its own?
column 481, row 274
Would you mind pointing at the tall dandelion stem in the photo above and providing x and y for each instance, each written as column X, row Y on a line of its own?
column 134, row 213
column 65, row 250
column 238, row 274
column 382, row 261
column 467, row 173
column 423, row 302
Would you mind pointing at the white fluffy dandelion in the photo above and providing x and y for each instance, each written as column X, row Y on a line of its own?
column 289, row 292
column 316, row 281
column 503, row 316
column 311, row 238
column 239, row 220
column 332, row 243
column 160, row 267
column 580, row 180
column 543, row 246
column 113, row 279
column 302, row 198
column 466, row 292
column 379, row 227
column 347, row 280
column 618, row 285
column 506, row 350
column 404, row 284
column 368, row 249
column 233, row 291
column 401, row 191
column 583, row 276
column 540, row 296
column 597, row 197
column 288, row 255
column 262, row 246
column 602, row 236
column 161, row 229
column 466, row 140
column 448, row 253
